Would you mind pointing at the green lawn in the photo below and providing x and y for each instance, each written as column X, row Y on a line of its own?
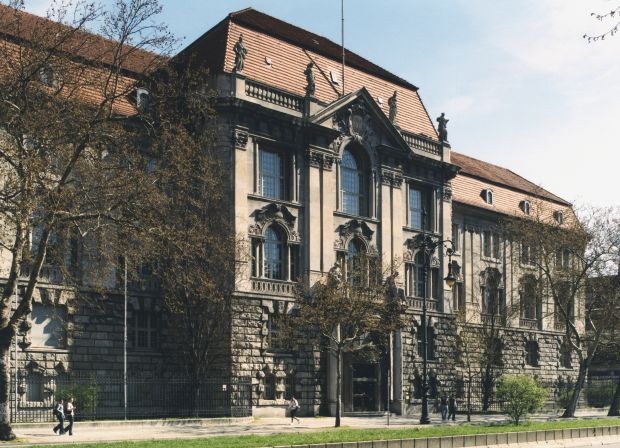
column 346, row 435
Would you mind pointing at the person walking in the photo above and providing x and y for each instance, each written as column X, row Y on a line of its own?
column 70, row 414
column 452, row 407
column 59, row 413
column 443, row 407
column 293, row 407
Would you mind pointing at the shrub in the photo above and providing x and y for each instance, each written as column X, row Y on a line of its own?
column 520, row 395
column 84, row 397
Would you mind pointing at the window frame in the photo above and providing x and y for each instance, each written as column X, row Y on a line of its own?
column 360, row 176
column 152, row 330
column 280, row 180
column 424, row 211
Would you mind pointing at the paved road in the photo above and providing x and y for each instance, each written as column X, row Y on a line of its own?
column 85, row 432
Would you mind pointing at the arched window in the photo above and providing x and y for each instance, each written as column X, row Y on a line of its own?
column 353, row 185
column 273, row 254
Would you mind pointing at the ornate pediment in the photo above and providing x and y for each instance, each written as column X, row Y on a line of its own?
column 356, row 116
column 351, row 229
column 491, row 277
column 277, row 213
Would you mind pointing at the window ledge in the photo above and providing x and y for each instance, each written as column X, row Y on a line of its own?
column 144, row 352
column 426, row 232
column 63, row 351
column 270, row 200
column 278, row 352
column 491, row 259
column 363, row 218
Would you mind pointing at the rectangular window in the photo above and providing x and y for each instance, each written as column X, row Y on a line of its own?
column 419, row 209
column 491, row 246
column 271, row 169
column 144, row 331
column 48, row 326
column 455, row 237
column 435, row 284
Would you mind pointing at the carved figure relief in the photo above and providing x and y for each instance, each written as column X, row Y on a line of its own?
column 357, row 123
column 393, row 107
column 240, row 138
column 310, row 84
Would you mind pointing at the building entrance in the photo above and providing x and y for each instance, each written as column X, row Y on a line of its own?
column 362, row 386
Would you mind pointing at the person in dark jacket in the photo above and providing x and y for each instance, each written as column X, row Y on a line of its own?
column 443, row 407
column 452, row 407
column 59, row 413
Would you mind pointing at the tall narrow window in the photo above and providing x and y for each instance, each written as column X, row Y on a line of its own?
column 353, row 185
column 458, row 292
column 355, row 269
column 419, row 286
column 419, row 209
column 271, row 175
column 455, row 237
column 273, row 254
column 529, row 297
column 144, row 334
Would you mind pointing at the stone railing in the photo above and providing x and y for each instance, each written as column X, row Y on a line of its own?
column 273, row 287
column 490, row 319
column 49, row 273
column 532, row 324
column 273, row 95
column 422, row 143
column 417, row 303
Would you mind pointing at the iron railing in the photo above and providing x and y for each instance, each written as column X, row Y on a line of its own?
column 102, row 397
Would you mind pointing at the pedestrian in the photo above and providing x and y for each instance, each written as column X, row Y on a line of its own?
column 59, row 413
column 452, row 407
column 443, row 407
column 70, row 414
column 293, row 407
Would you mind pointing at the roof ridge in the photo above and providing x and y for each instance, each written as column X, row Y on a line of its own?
column 542, row 191
column 238, row 15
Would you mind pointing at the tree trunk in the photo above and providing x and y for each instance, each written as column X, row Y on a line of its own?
column 338, row 388
column 6, row 433
column 574, row 399
column 614, row 409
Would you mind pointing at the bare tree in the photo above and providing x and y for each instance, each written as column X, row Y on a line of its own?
column 568, row 253
column 352, row 313
column 610, row 31
column 73, row 164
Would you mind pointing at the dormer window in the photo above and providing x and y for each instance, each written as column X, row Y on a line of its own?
column 487, row 195
column 46, row 75
column 559, row 217
column 143, row 99
column 525, row 207
column 333, row 77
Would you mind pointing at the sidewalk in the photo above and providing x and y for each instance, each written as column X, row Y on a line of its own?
column 31, row 434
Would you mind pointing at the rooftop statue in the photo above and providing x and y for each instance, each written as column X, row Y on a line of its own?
column 240, row 54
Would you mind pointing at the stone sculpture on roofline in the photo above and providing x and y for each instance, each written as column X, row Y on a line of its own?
column 240, row 54
column 310, row 84
column 442, row 128
column 393, row 107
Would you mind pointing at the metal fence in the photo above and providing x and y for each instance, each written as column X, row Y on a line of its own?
column 597, row 392
column 103, row 397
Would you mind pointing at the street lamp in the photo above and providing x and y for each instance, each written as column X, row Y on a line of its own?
column 428, row 244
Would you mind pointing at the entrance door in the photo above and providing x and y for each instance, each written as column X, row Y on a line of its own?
column 365, row 394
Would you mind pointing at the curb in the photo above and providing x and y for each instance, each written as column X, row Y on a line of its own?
column 500, row 438
column 143, row 423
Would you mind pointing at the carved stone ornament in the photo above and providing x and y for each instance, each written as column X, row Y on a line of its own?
column 274, row 213
column 492, row 277
column 391, row 178
column 447, row 194
column 351, row 229
column 240, row 138
column 357, row 123
column 318, row 159
column 442, row 127
column 240, row 54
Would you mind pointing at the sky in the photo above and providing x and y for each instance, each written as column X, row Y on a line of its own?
column 520, row 85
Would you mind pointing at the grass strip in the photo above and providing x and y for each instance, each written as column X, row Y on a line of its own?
column 347, row 435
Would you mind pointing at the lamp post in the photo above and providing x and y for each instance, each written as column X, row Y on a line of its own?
column 428, row 245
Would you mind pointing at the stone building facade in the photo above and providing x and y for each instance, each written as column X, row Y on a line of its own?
column 321, row 168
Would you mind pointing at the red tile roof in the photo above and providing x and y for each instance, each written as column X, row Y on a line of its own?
column 501, row 176
column 22, row 26
column 264, row 23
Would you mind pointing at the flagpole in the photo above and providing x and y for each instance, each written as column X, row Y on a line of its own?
column 125, row 343
column 342, row 39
